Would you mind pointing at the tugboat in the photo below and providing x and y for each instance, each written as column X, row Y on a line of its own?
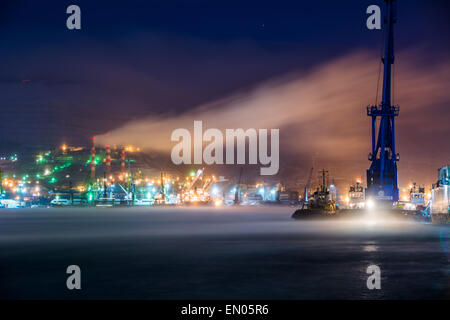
column 321, row 203
column 415, row 208
column 356, row 199
column 416, row 198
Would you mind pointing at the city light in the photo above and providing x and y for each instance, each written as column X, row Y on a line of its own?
column 370, row 204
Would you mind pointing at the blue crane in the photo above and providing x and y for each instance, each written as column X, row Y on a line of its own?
column 382, row 175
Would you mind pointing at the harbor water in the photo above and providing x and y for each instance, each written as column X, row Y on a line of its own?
column 217, row 253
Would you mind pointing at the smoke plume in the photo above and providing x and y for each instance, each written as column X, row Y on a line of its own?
column 323, row 112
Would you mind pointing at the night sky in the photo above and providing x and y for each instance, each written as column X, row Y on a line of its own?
column 136, row 60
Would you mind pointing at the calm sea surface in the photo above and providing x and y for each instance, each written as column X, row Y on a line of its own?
column 217, row 253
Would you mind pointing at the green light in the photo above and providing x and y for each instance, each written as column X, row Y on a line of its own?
column 40, row 159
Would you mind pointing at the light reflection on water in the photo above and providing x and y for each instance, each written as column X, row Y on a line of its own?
column 370, row 248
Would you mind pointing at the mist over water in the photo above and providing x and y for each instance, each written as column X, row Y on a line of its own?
column 198, row 252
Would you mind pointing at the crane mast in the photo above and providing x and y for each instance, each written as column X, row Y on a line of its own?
column 382, row 183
